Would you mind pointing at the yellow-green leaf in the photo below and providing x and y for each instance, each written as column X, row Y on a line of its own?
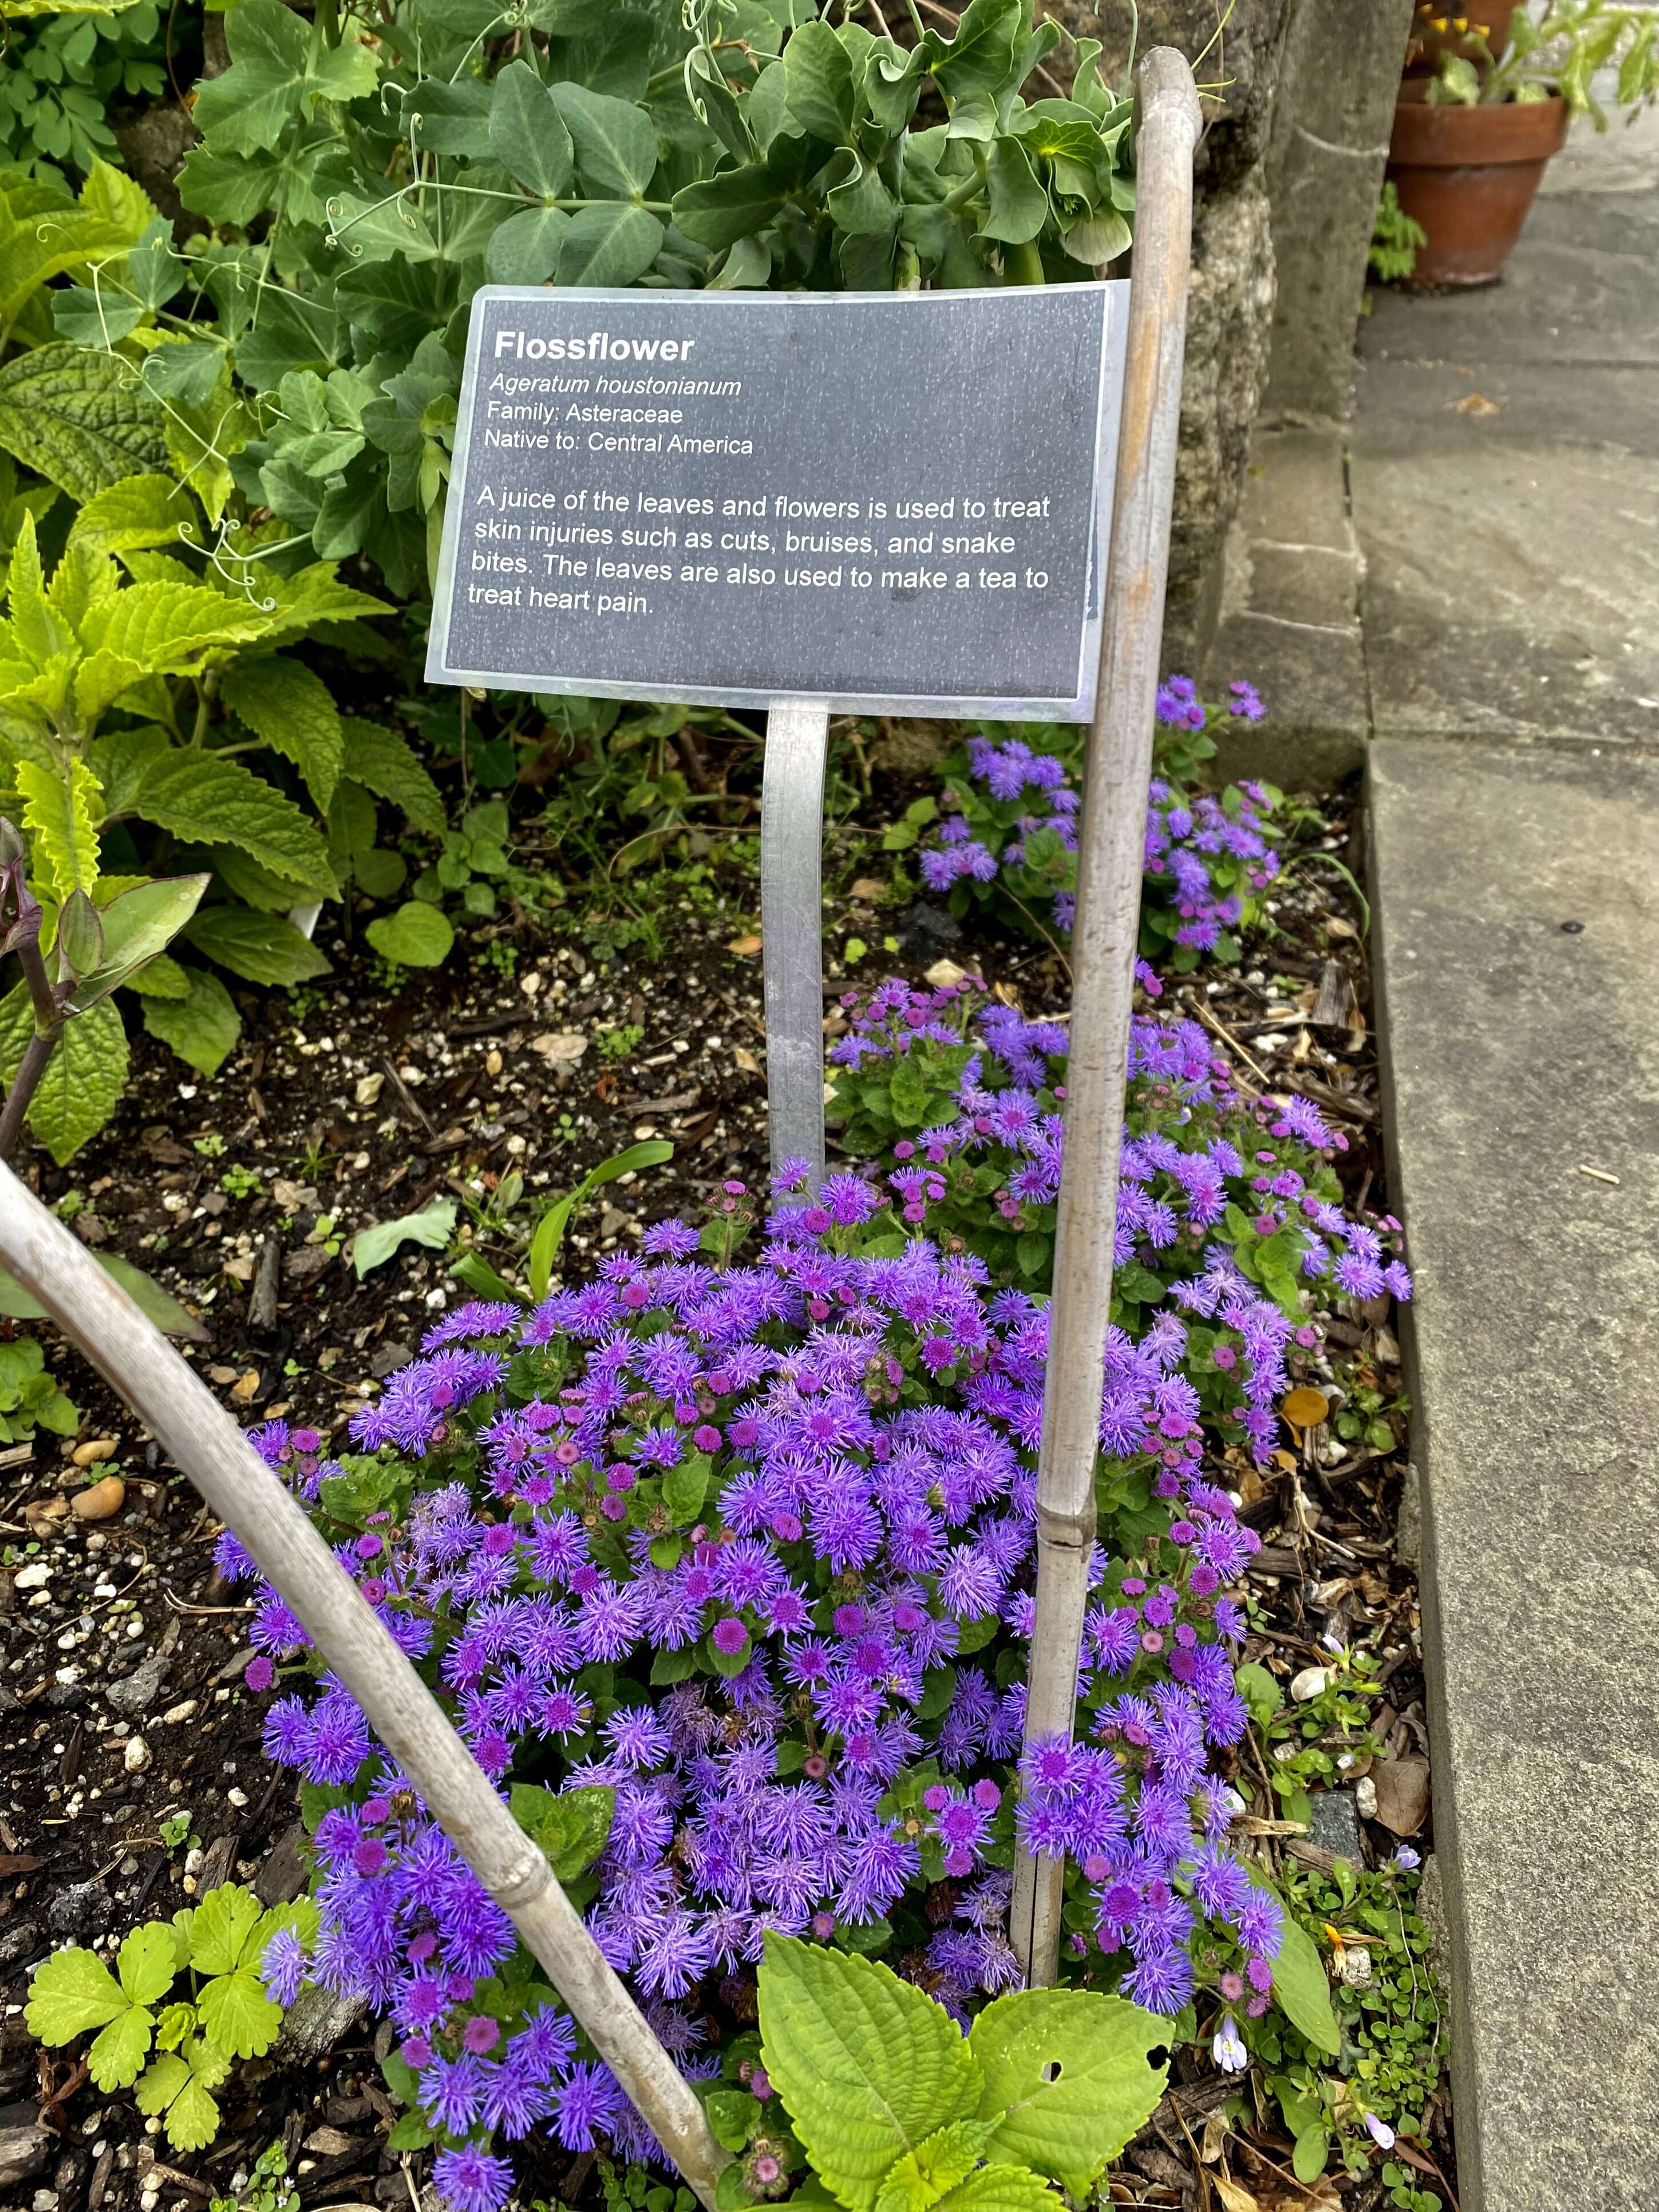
column 1068, row 2079
column 137, row 512
column 868, row 2066
column 59, row 812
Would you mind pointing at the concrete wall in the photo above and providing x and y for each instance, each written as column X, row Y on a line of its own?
column 1341, row 64
column 1230, row 315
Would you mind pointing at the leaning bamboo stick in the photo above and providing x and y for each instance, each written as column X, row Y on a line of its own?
column 199, row 1435
column 1111, row 840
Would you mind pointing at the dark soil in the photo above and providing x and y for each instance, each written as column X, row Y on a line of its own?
column 350, row 1103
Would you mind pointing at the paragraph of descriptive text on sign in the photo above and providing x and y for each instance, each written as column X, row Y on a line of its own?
column 586, row 550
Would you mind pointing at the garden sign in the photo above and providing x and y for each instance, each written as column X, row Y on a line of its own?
column 808, row 502
column 803, row 502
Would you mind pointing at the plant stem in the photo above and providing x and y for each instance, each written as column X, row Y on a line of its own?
column 26, row 1081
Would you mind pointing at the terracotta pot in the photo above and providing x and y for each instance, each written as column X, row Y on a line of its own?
column 1426, row 44
column 1468, row 175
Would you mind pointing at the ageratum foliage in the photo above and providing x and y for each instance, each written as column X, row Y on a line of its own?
column 365, row 172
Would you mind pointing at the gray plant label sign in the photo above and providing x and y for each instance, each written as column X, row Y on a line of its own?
column 890, row 502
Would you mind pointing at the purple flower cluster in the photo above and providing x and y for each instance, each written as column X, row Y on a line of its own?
column 1009, row 828
column 745, row 1552
column 1210, row 1184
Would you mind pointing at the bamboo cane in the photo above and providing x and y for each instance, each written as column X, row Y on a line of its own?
column 1104, row 939
column 199, row 1435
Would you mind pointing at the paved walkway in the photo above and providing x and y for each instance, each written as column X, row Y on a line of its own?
column 1461, row 591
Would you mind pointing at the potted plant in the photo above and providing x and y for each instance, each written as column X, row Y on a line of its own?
column 1470, row 142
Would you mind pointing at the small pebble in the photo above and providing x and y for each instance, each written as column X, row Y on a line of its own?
column 136, row 1757
column 100, row 1501
column 99, row 1448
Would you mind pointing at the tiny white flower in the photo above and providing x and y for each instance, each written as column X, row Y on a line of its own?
column 1227, row 2049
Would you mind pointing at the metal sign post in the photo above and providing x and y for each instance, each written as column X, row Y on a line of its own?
column 791, row 930
column 1001, row 643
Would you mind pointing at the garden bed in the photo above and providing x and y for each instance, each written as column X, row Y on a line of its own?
column 348, row 1104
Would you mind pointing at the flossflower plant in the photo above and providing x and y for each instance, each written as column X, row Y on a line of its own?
column 740, row 1551
column 1007, row 838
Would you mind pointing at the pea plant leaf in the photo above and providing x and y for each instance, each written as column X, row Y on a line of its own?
column 527, row 133
column 868, row 2066
column 615, row 141
column 1068, row 2079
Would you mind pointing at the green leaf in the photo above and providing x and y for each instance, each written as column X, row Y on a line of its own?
column 59, row 812
column 290, row 706
column 615, row 143
column 82, row 1083
column 384, row 763
column 525, row 249
column 527, row 133
column 868, row 2066
column 432, row 1226
column 70, row 1992
column 480, row 1279
column 731, row 206
column 116, row 2057
column 733, row 2116
column 1018, row 204
column 263, row 947
column 1301, row 1989
column 817, row 73
column 212, row 801
column 981, row 57
column 202, row 1028
column 138, row 923
column 147, row 1963
column 272, row 77
column 133, row 514
column 81, row 419
column 417, row 936
column 411, row 2133
column 571, row 1826
column 222, row 1930
column 684, row 1489
column 922, row 2176
column 999, row 2189
column 1067, row 2080
column 238, row 2015
column 165, row 628
column 156, row 1305
column 609, row 246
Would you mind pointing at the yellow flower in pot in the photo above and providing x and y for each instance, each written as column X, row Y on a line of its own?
column 1470, row 142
